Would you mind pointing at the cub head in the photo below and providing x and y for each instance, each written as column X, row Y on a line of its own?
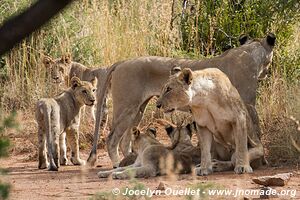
column 176, row 92
column 140, row 139
column 57, row 69
column 84, row 91
column 180, row 134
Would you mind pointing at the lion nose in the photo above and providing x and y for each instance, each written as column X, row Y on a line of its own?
column 92, row 100
column 158, row 105
column 56, row 78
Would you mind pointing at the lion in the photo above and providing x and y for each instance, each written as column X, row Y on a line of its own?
column 153, row 159
column 181, row 141
column 59, row 117
column 219, row 112
column 90, row 74
column 58, row 69
column 130, row 159
column 134, row 82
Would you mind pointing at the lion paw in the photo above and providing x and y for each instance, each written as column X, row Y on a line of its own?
column 203, row 171
column 43, row 165
column 220, row 166
column 119, row 175
column 63, row 161
column 53, row 168
column 77, row 161
column 241, row 169
column 104, row 174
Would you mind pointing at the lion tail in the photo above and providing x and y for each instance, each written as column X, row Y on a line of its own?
column 100, row 104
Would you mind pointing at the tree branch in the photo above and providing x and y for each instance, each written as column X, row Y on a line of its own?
column 21, row 26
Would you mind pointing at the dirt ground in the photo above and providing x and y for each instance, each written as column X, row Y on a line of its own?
column 75, row 182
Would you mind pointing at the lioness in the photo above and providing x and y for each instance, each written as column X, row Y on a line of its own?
column 153, row 159
column 219, row 113
column 142, row 78
column 59, row 115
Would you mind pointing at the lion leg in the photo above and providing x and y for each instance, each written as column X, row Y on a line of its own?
column 221, row 166
column 43, row 161
column 125, row 143
column 63, row 149
column 206, row 142
column 113, row 140
column 56, row 150
column 242, row 164
column 105, row 174
column 73, row 139
column 137, row 172
column 254, row 116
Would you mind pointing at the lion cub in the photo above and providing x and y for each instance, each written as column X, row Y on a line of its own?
column 219, row 112
column 59, row 115
column 181, row 141
column 153, row 159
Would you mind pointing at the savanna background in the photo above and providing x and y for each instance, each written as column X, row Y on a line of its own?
column 100, row 33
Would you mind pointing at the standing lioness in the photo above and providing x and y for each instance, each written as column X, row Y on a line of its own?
column 219, row 112
column 59, row 115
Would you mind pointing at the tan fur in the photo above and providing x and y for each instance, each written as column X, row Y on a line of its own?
column 91, row 74
column 219, row 113
column 153, row 159
column 181, row 141
column 134, row 82
column 59, row 117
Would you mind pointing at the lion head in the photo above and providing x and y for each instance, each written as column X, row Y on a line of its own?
column 176, row 92
column 57, row 69
column 84, row 91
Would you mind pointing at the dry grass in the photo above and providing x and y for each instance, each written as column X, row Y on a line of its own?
column 99, row 33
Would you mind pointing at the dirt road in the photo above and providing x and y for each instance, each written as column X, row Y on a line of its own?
column 74, row 182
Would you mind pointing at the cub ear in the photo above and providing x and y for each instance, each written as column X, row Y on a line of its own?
column 271, row 38
column 152, row 131
column 243, row 39
column 75, row 82
column 66, row 58
column 47, row 61
column 135, row 132
column 190, row 130
column 94, row 82
column 175, row 70
column 186, row 76
column 169, row 129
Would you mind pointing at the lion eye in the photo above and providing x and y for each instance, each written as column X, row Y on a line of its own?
column 84, row 92
column 94, row 90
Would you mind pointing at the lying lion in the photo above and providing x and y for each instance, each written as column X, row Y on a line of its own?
column 153, row 159
column 181, row 141
column 58, row 117
column 219, row 113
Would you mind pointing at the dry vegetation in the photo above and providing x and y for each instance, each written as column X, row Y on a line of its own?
column 99, row 33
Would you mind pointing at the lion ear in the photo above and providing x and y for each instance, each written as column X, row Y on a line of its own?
column 135, row 132
column 169, row 129
column 75, row 82
column 186, row 76
column 175, row 70
column 243, row 39
column 47, row 61
column 94, row 82
column 271, row 38
column 66, row 58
